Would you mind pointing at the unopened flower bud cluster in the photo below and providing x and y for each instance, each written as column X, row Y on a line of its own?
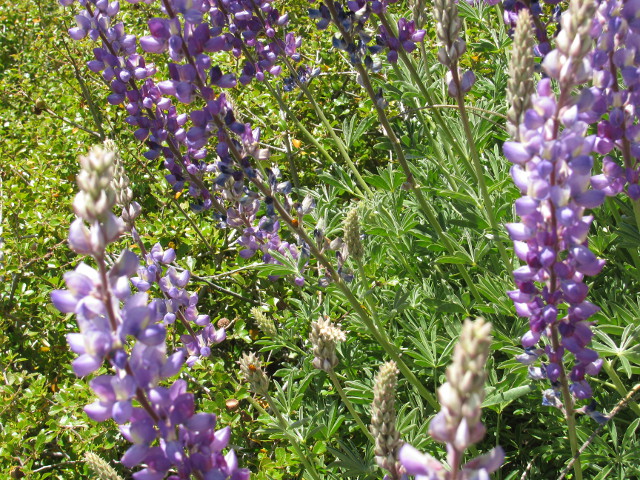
column 520, row 86
column 265, row 322
column 251, row 368
column 458, row 424
column 352, row 235
column 324, row 336
column 383, row 419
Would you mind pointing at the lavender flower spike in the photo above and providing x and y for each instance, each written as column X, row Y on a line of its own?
column 448, row 30
column 552, row 167
column 127, row 331
column 458, row 424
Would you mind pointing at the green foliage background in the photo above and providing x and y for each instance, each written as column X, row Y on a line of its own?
column 52, row 110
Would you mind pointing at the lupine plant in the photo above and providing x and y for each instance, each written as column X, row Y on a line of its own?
column 275, row 255
column 108, row 316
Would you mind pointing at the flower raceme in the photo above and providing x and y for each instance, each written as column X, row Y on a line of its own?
column 552, row 165
column 128, row 330
column 458, row 424
column 355, row 37
column 192, row 31
column 185, row 119
column 616, row 81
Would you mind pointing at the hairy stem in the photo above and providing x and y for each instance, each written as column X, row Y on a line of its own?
column 425, row 207
column 475, row 157
column 569, row 410
column 349, row 405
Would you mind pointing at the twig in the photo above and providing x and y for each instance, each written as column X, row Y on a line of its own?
column 47, row 467
column 224, row 290
column 620, row 405
column 529, row 465
column 61, row 118
column 231, row 272
column 455, row 107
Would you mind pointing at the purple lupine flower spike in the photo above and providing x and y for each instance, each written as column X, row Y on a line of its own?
column 180, row 117
column 127, row 330
column 552, row 163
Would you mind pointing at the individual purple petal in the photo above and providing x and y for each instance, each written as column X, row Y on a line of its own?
column 516, row 152
column 489, row 462
column 86, row 364
column 98, row 411
column 221, row 439
column 135, row 455
column 64, row 301
column 79, row 238
column 418, row 463
column 530, row 338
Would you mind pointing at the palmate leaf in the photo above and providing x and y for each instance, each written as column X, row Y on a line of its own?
column 388, row 179
column 352, row 132
column 350, row 459
column 327, row 421
column 337, row 177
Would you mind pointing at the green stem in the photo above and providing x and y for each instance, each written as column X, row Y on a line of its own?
column 349, row 405
column 291, row 116
column 442, row 162
column 367, row 299
column 284, row 427
column 193, row 224
column 425, row 207
column 569, row 411
column 475, row 157
column 338, row 141
column 408, row 62
column 636, row 213
column 381, row 338
column 292, row 161
column 498, row 427
column 619, row 386
column 391, row 349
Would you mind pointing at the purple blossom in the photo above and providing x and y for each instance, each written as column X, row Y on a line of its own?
column 354, row 38
column 615, row 102
column 552, row 166
column 128, row 331
column 188, row 34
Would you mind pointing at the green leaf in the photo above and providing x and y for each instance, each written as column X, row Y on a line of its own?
column 458, row 259
column 505, row 398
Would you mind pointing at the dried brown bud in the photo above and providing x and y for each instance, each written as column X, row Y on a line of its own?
column 232, row 405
